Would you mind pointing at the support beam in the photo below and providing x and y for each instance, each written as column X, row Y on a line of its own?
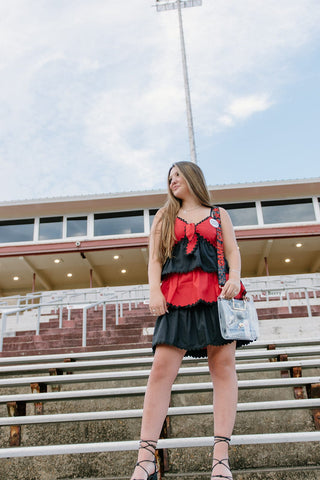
column 315, row 266
column 45, row 282
column 266, row 250
column 98, row 277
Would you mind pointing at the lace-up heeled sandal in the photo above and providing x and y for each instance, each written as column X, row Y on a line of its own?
column 223, row 461
column 150, row 445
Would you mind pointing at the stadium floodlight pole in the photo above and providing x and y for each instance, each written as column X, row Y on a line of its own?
column 162, row 5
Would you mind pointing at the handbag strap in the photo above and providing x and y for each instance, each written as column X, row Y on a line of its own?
column 215, row 213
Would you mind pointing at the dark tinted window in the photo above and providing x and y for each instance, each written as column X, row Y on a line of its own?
column 152, row 215
column 50, row 228
column 118, row 223
column 77, row 227
column 286, row 211
column 16, row 230
column 242, row 213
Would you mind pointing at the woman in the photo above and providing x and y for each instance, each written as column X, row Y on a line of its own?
column 183, row 294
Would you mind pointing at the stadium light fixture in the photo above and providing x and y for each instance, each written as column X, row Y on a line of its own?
column 163, row 5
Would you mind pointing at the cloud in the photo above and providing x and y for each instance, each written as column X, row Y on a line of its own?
column 92, row 96
column 243, row 108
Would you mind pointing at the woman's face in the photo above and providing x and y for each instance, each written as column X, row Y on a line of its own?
column 177, row 184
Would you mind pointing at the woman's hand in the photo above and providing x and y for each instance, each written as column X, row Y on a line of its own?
column 231, row 288
column 157, row 304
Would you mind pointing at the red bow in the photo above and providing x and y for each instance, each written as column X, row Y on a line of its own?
column 192, row 237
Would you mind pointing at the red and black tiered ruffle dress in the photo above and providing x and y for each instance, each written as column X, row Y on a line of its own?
column 190, row 286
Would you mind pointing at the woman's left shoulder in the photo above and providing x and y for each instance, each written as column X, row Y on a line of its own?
column 224, row 213
column 225, row 217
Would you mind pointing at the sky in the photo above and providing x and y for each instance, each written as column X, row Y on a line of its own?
column 92, row 97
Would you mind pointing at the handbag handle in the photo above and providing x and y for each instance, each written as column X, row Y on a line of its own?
column 215, row 213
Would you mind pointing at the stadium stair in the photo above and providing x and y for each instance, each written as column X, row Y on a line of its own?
column 120, row 389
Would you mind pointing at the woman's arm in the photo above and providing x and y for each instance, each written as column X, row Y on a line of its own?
column 157, row 304
column 232, row 254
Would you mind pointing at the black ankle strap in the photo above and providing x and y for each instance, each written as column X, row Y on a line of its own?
column 218, row 439
column 151, row 445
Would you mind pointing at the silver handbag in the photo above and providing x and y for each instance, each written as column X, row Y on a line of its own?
column 238, row 319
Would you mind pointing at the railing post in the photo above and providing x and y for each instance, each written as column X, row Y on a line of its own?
column 117, row 314
column 288, row 300
column 60, row 315
column 69, row 312
column 3, row 329
column 17, row 314
column 308, row 302
column 38, row 320
column 104, row 316
column 84, row 327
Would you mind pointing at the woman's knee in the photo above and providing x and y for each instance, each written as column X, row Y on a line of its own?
column 166, row 363
column 221, row 361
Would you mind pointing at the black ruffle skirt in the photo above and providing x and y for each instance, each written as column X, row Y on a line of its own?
column 191, row 328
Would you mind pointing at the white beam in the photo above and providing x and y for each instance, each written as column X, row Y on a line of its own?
column 45, row 282
column 315, row 266
column 98, row 277
column 266, row 250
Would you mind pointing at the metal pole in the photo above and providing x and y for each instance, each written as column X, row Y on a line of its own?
column 104, row 317
column 187, row 88
column 84, row 327
column 60, row 316
column 3, row 329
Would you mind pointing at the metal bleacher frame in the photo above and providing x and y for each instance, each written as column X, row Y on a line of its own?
column 13, row 370
column 116, row 366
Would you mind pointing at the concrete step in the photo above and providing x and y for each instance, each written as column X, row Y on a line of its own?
column 26, row 349
column 188, row 464
column 296, row 473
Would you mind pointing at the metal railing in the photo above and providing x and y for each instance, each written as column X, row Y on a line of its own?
column 117, row 302
column 265, row 438
column 263, row 406
column 119, row 296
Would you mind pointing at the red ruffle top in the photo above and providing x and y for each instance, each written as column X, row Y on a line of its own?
column 190, row 275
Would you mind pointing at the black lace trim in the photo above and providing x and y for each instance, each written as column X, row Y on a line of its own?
column 203, row 256
column 198, row 302
column 191, row 223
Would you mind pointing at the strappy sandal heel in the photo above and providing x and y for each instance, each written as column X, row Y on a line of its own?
column 223, row 461
column 151, row 447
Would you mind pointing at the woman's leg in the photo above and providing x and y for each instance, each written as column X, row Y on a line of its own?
column 222, row 367
column 166, row 364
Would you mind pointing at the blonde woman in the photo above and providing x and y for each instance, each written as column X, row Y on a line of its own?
column 184, row 289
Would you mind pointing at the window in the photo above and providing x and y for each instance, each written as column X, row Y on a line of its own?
column 118, row 223
column 50, row 228
column 242, row 213
column 286, row 211
column 76, row 227
column 16, row 230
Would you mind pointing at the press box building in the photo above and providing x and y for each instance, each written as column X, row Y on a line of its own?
column 102, row 240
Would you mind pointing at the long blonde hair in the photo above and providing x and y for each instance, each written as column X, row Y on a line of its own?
column 197, row 185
